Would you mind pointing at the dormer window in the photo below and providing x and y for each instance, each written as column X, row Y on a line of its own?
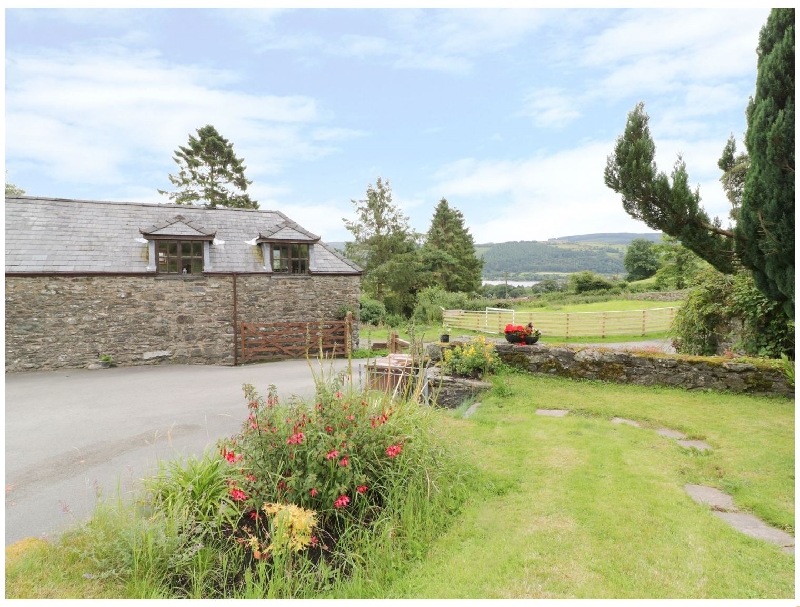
column 290, row 258
column 178, row 246
column 179, row 257
column 288, row 248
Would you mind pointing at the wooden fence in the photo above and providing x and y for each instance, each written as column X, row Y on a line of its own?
column 565, row 324
column 278, row 340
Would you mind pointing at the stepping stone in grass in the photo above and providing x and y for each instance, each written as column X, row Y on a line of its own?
column 552, row 412
column 697, row 444
column 670, row 433
column 724, row 508
column 473, row 407
column 754, row 527
column 711, row 497
column 630, row 422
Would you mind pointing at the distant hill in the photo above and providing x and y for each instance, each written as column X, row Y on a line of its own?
column 530, row 260
column 339, row 246
column 602, row 253
column 609, row 238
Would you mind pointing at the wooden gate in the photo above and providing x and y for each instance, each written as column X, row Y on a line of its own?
column 265, row 341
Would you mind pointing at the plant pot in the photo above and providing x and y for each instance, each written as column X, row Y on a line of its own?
column 530, row 339
column 513, row 338
column 445, row 339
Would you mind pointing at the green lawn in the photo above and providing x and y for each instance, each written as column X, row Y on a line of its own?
column 598, row 510
column 601, row 306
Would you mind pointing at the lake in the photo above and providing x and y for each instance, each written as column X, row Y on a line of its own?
column 512, row 283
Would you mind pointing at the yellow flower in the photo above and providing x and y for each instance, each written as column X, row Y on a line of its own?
column 292, row 526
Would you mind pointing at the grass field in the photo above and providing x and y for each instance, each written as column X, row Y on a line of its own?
column 600, row 306
column 593, row 509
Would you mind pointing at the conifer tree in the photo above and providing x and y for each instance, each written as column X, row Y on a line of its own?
column 765, row 232
column 449, row 252
column 210, row 173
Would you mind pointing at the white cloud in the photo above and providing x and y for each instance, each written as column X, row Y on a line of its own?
column 431, row 39
column 653, row 51
column 551, row 107
column 83, row 115
column 555, row 195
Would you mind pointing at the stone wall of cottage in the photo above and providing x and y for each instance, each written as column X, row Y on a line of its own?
column 57, row 322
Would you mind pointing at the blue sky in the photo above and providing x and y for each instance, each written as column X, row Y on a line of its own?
column 509, row 114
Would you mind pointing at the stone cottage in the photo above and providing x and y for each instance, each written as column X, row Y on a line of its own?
column 147, row 283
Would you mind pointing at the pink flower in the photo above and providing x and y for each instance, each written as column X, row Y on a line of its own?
column 341, row 502
column 314, row 492
column 338, row 395
column 351, row 417
column 333, row 454
column 394, row 450
column 362, row 489
column 230, row 456
column 344, row 461
column 254, row 515
column 296, row 439
column 238, row 494
column 328, row 428
column 314, row 541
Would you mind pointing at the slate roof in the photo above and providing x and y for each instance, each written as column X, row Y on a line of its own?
column 55, row 235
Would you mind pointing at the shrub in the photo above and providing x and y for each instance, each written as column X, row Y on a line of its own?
column 394, row 320
column 371, row 311
column 582, row 282
column 470, row 360
column 344, row 309
column 728, row 310
column 347, row 459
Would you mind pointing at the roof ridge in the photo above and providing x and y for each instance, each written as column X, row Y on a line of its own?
column 166, row 205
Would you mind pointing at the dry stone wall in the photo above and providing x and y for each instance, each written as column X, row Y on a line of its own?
column 68, row 321
column 647, row 370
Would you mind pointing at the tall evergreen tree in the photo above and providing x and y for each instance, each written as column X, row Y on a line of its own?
column 449, row 252
column 664, row 203
column 210, row 173
column 765, row 232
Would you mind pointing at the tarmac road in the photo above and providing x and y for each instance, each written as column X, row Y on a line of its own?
column 73, row 435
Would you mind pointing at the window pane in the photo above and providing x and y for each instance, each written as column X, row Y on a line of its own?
column 197, row 267
column 186, row 249
column 197, row 249
column 172, row 247
column 172, row 265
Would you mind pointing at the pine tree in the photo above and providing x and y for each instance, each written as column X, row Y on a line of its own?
column 765, row 232
column 665, row 203
column 449, row 252
column 210, row 173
